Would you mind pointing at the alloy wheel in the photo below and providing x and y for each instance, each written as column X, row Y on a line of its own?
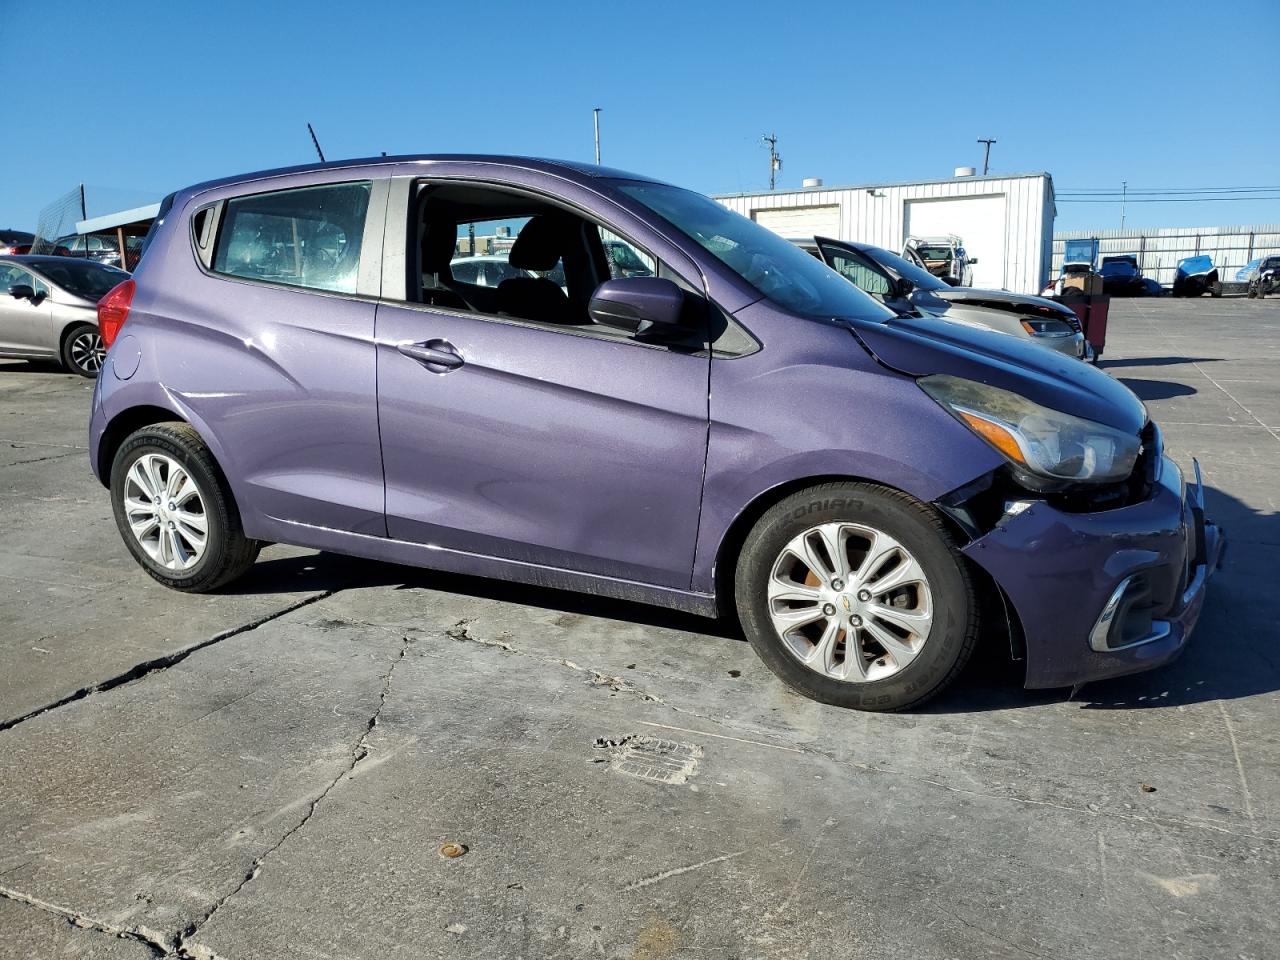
column 166, row 512
column 87, row 351
column 850, row 602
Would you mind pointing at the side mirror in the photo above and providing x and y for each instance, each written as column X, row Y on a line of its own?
column 902, row 288
column 22, row 291
column 637, row 304
column 973, row 260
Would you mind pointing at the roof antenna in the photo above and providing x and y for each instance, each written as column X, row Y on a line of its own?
column 316, row 142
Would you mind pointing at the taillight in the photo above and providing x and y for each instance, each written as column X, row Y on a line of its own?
column 113, row 310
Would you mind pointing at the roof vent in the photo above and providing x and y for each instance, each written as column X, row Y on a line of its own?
column 966, row 171
column 810, row 183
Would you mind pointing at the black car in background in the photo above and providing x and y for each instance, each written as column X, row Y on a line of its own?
column 1264, row 278
column 1121, row 276
column 15, row 242
column 91, row 247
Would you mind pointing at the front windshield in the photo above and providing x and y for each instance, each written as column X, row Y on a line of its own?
column 82, row 278
column 920, row 279
column 775, row 267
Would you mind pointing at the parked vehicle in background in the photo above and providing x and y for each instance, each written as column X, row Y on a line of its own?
column 745, row 430
column 48, row 310
column 487, row 271
column 1242, row 275
column 624, row 261
column 909, row 290
column 1196, row 276
column 103, row 249
column 1121, row 276
column 944, row 257
column 15, row 242
column 1264, row 278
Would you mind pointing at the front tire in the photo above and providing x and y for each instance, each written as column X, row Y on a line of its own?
column 175, row 512
column 83, row 350
column 856, row 595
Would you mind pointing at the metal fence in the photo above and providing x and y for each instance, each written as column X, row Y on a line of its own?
column 1159, row 250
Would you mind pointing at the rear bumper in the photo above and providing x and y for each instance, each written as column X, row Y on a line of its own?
column 1110, row 593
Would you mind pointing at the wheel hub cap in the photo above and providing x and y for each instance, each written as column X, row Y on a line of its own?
column 166, row 513
column 87, row 352
column 850, row 602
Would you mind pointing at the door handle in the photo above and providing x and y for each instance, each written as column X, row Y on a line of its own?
column 439, row 356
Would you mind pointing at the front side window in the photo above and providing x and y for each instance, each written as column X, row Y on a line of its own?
column 12, row 276
column 308, row 237
column 920, row 278
column 775, row 267
column 852, row 267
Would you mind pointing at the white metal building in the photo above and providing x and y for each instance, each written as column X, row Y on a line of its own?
column 1006, row 222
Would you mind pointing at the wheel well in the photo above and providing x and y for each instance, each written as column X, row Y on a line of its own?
column 996, row 606
column 736, row 535
column 66, row 332
column 118, row 430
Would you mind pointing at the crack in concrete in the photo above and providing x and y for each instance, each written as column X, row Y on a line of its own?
column 147, row 667
column 52, row 456
column 461, row 632
column 360, row 750
column 153, row 940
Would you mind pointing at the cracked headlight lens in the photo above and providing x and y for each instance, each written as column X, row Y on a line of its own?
column 1038, row 441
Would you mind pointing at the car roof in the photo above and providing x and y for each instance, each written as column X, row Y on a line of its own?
column 39, row 260
column 589, row 170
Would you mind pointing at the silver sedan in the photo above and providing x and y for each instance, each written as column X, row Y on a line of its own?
column 48, row 310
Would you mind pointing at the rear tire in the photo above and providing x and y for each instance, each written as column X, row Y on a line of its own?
column 175, row 511
column 835, row 635
column 83, row 350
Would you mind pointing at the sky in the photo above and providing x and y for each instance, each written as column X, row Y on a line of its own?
column 136, row 99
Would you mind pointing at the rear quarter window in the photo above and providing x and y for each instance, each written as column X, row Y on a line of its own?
column 308, row 237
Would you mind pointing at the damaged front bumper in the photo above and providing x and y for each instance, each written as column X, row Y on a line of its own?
column 1106, row 593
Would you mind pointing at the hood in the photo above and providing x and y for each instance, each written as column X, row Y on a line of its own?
column 1052, row 379
column 1004, row 300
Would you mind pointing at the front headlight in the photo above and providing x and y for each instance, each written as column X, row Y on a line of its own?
column 1039, row 442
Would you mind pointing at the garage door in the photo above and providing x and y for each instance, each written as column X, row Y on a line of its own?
column 797, row 222
column 979, row 221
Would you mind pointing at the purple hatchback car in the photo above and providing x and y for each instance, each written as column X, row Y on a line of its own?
column 734, row 428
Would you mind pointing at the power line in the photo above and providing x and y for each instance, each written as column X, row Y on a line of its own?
column 1118, row 199
column 1111, row 191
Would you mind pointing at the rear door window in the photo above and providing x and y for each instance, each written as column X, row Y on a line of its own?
column 308, row 237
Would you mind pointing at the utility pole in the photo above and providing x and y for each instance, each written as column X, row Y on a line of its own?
column 1124, row 195
column 316, row 142
column 595, row 117
column 775, row 161
column 986, row 159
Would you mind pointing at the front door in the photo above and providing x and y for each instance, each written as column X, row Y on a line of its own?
column 25, row 326
column 511, row 428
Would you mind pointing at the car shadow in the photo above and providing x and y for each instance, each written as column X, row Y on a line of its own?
column 1229, row 656
column 44, row 367
column 1157, row 389
column 328, row 571
column 1155, row 361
